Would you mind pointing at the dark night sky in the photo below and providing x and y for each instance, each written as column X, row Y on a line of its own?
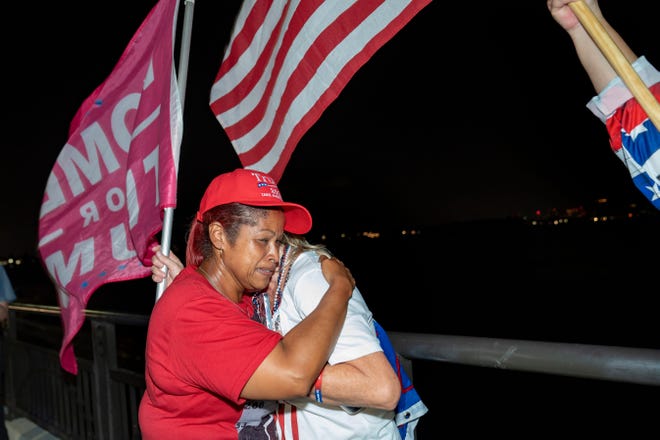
column 470, row 112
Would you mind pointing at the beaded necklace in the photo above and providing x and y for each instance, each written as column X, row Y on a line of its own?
column 263, row 309
column 282, row 276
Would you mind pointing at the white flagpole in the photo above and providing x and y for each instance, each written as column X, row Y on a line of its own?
column 182, row 76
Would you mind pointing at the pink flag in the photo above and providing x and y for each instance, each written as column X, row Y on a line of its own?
column 287, row 61
column 105, row 196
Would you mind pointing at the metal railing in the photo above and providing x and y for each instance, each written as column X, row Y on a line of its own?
column 101, row 401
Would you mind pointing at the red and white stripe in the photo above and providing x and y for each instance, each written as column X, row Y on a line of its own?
column 287, row 422
column 287, row 61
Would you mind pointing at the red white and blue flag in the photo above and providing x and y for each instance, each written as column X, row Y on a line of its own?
column 287, row 61
column 105, row 196
column 636, row 141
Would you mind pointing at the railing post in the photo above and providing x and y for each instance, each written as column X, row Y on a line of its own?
column 105, row 358
column 8, row 342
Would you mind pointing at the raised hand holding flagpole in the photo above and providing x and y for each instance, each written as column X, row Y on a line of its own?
column 617, row 60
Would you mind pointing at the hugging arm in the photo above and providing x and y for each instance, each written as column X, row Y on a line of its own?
column 291, row 369
column 368, row 381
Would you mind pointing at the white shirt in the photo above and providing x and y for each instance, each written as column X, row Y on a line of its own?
column 302, row 293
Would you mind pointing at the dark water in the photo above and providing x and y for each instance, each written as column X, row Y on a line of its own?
column 571, row 283
column 579, row 282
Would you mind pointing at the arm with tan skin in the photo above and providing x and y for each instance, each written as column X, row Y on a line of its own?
column 368, row 381
column 598, row 69
column 291, row 369
column 285, row 372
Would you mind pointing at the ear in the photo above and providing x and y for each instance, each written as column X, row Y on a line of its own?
column 217, row 235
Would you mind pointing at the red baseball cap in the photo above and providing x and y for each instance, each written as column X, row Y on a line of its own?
column 251, row 187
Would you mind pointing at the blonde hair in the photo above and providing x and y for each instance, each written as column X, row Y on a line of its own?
column 299, row 244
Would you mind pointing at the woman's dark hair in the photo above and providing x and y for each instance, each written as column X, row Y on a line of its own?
column 231, row 216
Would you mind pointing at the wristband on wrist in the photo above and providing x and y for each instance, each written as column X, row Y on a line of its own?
column 317, row 388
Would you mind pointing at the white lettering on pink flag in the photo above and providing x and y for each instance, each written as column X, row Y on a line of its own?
column 105, row 195
column 287, row 61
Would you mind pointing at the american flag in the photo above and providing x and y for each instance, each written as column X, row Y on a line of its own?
column 287, row 61
column 636, row 142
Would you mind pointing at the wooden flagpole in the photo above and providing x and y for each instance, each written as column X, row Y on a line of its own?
column 618, row 61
